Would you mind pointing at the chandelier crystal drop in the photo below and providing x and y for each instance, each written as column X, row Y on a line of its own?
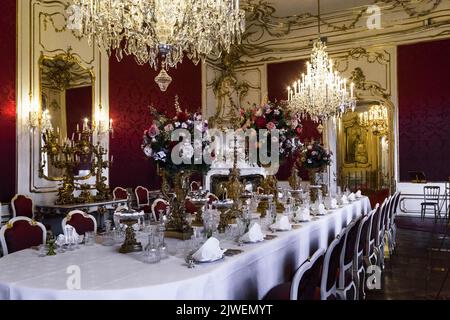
column 151, row 30
column 163, row 80
column 321, row 93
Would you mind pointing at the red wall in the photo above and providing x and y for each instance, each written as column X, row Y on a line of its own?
column 79, row 107
column 424, row 109
column 8, row 100
column 279, row 77
column 132, row 89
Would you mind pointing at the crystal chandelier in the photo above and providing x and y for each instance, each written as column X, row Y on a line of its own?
column 376, row 118
column 154, row 30
column 321, row 93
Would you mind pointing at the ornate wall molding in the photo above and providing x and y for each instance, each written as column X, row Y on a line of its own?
column 42, row 30
column 271, row 36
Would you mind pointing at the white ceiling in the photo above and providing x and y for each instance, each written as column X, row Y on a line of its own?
column 296, row 7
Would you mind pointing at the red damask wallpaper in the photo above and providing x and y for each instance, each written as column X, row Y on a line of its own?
column 424, row 109
column 78, row 106
column 8, row 100
column 132, row 90
column 279, row 77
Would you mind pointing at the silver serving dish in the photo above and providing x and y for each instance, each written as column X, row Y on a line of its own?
column 223, row 204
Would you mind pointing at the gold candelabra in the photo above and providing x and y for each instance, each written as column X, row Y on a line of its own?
column 177, row 224
column 376, row 118
column 234, row 190
column 67, row 155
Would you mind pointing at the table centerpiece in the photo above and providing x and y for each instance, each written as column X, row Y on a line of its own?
column 315, row 158
column 178, row 146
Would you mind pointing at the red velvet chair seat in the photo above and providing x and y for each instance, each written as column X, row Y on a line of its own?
column 147, row 209
column 22, row 236
column 81, row 224
column 23, row 206
column 190, row 207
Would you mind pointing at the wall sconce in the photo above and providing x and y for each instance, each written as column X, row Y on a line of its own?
column 33, row 115
column 102, row 125
column 46, row 122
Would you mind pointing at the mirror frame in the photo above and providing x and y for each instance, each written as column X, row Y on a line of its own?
column 67, row 57
column 366, row 101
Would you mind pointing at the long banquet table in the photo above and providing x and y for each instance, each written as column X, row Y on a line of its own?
column 107, row 274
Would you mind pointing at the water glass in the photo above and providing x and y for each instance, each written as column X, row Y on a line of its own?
column 108, row 224
column 89, row 238
column 152, row 253
column 42, row 250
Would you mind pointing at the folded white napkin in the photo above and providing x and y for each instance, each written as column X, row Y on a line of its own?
column 358, row 194
column 303, row 214
column 321, row 210
column 334, row 204
column 352, row 197
column 282, row 224
column 254, row 234
column 60, row 240
column 209, row 251
column 344, row 199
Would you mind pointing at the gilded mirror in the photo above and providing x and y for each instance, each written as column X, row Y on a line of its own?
column 364, row 156
column 67, row 102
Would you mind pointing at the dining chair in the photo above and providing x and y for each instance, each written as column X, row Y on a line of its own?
column 190, row 206
column 330, row 271
column 159, row 206
column 370, row 252
column 347, row 280
column 21, row 233
column 22, row 206
column 211, row 197
column 81, row 221
column 120, row 193
column 142, row 198
column 381, row 237
column 195, row 186
column 390, row 224
column 305, row 282
column 431, row 199
column 358, row 259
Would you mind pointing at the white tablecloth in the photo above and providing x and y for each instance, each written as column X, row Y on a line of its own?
column 107, row 274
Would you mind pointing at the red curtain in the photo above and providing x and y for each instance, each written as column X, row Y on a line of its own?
column 279, row 77
column 424, row 109
column 132, row 89
column 8, row 100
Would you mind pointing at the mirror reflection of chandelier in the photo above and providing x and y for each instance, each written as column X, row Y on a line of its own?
column 376, row 118
column 154, row 29
column 321, row 93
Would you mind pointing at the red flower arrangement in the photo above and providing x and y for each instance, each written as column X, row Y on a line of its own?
column 276, row 116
